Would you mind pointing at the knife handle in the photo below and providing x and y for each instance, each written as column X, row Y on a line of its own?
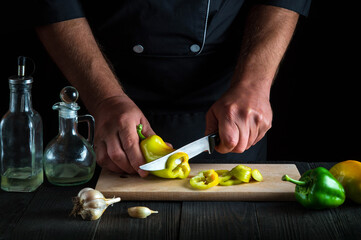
column 213, row 141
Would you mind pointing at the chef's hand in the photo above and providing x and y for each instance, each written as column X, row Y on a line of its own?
column 243, row 114
column 116, row 140
column 242, row 117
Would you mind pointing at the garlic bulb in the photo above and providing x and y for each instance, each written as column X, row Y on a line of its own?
column 90, row 204
column 140, row 212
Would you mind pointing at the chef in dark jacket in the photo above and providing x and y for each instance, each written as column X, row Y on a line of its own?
column 182, row 68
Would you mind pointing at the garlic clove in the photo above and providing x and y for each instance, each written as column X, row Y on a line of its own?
column 84, row 190
column 90, row 195
column 91, row 214
column 140, row 212
column 95, row 204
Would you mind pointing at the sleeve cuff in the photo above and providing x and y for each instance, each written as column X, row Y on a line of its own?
column 51, row 11
column 300, row 6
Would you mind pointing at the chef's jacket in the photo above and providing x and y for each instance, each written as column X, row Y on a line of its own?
column 174, row 58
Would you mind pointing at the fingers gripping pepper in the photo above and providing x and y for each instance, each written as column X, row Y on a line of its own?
column 318, row 189
column 153, row 147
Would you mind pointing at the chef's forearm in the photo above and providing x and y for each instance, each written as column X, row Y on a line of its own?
column 72, row 46
column 267, row 35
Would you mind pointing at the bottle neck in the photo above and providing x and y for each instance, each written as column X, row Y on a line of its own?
column 20, row 98
column 68, row 126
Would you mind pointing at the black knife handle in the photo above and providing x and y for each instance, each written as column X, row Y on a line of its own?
column 213, row 141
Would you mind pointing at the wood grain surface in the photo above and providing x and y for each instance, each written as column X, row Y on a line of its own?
column 272, row 188
column 44, row 214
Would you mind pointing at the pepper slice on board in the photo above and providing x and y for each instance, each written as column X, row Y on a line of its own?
column 242, row 173
column 204, row 180
column 318, row 189
column 223, row 175
column 256, row 175
column 348, row 173
column 153, row 147
column 226, row 179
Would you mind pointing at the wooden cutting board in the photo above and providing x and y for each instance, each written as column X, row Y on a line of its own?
column 133, row 187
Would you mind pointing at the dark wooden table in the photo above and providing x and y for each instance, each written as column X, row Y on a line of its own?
column 44, row 214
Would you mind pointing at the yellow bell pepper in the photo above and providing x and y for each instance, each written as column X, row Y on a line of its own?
column 348, row 173
column 153, row 147
column 204, row 180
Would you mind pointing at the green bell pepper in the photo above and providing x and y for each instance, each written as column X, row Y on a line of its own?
column 318, row 189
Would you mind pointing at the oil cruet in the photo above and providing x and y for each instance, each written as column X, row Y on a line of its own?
column 21, row 137
column 69, row 159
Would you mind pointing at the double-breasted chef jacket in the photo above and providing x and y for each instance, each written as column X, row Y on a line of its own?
column 174, row 58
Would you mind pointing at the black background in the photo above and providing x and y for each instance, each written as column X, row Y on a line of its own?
column 315, row 98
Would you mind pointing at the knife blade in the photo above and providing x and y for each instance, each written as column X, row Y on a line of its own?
column 206, row 143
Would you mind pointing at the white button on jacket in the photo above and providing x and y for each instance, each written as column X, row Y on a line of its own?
column 138, row 48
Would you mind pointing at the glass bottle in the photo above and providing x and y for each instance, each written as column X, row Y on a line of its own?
column 21, row 137
column 69, row 159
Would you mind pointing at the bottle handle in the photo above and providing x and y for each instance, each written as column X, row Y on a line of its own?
column 91, row 124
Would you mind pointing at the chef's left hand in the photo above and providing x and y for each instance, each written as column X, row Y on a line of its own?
column 242, row 117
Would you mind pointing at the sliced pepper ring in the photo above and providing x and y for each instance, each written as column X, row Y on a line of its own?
column 223, row 175
column 230, row 182
column 226, row 179
column 204, row 180
column 242, row 173
column 173, row 169
column 256, row 175
column 182, row 169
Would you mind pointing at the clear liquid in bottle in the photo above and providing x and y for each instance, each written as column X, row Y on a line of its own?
column 21, row 138
column 69, row 159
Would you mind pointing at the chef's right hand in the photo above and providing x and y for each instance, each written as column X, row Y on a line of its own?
column 116, row 140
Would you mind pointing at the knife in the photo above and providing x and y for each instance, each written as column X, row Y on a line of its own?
column 206, row 143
